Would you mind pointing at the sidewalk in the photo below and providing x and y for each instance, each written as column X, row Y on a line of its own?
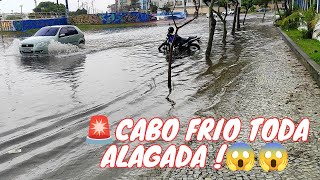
column 272, row 83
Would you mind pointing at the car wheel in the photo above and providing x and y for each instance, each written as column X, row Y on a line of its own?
column 81, row 44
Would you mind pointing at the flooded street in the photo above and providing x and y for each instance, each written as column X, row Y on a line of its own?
column 47, row 102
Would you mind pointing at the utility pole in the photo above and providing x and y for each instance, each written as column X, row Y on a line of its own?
column 67, row 11
column 92, row 6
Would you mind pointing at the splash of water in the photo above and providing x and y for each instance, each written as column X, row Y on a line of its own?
column 13, row 48
column 55, row 48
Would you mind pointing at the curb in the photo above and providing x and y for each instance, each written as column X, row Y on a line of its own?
column 311, row 66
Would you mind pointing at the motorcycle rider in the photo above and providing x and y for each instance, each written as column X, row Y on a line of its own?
column 170, row 38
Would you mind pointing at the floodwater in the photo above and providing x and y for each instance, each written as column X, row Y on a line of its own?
column 47, row 102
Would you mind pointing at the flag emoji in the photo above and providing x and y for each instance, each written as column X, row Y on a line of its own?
column 99, row 131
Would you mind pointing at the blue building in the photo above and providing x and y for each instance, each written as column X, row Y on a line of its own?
column 144, row 4
column 305, row 4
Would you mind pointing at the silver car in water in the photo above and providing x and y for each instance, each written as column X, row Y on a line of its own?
column 39, row 42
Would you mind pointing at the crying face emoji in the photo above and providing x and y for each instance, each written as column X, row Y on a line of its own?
column 240, row 156
column 273, row 156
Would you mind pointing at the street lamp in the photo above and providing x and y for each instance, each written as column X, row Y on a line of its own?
column 21, row 9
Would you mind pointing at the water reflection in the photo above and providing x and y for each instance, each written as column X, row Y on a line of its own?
column 65, row 68
column 53, row 64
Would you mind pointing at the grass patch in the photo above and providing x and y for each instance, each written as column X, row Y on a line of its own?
column 19, row 33
column 310, row 46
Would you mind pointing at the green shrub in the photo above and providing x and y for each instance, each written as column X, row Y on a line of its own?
column 290, row 22
column 315, row 20
column 252, row 9
column 305, row 34
column 311, row 18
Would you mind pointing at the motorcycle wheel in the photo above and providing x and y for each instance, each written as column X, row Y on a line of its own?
column 193, row 47
column 165, row 49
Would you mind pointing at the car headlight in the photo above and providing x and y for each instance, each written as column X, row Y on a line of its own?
column 42, row 44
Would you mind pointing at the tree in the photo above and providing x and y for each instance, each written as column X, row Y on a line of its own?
column 247, row 4
column 50, row 7
column 263, row 3
column 166, row 7
column 235, row 16
column 220, row 3
column 212, row 28
column 124, row 8
column 223, row 3
column 277, row 6
column 153, row 8
column 135, row 4
column 79, row 12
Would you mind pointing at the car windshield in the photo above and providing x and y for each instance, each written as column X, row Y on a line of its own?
column 47, row 31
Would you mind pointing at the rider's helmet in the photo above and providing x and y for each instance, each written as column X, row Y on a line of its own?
column 170, row 30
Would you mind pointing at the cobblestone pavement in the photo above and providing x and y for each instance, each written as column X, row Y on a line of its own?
column 271, row 83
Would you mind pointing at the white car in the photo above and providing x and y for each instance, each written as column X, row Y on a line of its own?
column 39, row 42
column 230, row 11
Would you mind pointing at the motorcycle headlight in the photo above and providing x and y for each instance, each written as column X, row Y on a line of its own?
column 42, row 44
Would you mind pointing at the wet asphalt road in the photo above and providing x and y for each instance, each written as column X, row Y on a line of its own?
column 46, row 102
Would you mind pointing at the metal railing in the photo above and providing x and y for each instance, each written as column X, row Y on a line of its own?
column 45, row 15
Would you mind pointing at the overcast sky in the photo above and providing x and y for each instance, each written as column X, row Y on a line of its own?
column 8, row 5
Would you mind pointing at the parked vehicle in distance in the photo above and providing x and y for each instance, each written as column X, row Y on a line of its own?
column 153, row 17
column 167, row 15
column 39, row 42
column 214, row 15
column 229, row 11
column 262, row 9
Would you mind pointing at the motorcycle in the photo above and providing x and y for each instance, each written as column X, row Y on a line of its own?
column 182, row 45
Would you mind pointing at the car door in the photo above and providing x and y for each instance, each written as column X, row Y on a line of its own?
column 73, row 35
column 64, row 36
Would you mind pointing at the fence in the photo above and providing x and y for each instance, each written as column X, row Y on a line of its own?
column 111, row 18
column 24, row 25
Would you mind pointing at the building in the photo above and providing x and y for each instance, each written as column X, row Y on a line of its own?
column 144, row 4
column 180, row 5
column 123, row 4
column 305, row 4
column 161, row 3
column 113, row 7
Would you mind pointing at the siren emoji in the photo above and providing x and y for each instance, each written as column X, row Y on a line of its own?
column 273, row 156
column 240, row 156
column 99, row 132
